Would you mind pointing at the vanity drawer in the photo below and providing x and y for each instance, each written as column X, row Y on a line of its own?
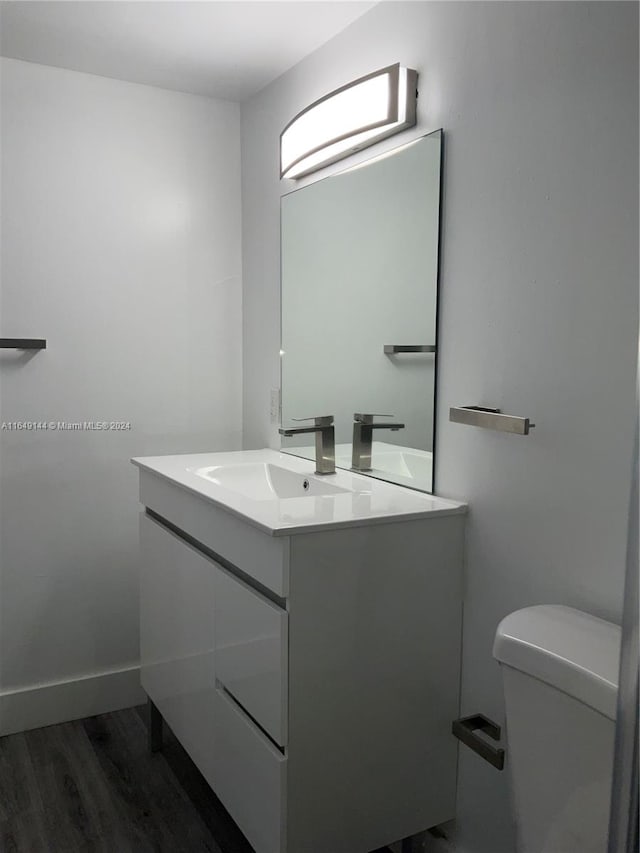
column 249, row 776
column 251, row 649
column 261, row 556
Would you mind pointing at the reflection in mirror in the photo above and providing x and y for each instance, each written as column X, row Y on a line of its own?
column 360, row 278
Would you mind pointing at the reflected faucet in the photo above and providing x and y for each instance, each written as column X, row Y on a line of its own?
column 325, row 441
column 363, row 428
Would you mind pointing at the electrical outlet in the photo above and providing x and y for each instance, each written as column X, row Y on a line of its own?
column 275, row 405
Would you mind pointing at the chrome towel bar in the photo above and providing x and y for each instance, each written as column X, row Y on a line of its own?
column 481, row 416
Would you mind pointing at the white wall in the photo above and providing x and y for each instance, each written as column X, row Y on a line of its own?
column 539, row 103
column 121, row 246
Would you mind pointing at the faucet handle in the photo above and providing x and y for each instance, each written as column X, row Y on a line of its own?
column 368, row 418
column 319, row 420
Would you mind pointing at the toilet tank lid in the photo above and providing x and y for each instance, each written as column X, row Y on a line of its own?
column 566, row 648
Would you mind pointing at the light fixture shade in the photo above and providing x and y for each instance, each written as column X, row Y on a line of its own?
column 349, row 119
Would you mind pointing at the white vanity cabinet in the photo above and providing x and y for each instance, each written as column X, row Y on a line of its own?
column 214, row 662
column 312, row 677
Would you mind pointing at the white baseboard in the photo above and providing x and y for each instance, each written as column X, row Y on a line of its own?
column 58, row 702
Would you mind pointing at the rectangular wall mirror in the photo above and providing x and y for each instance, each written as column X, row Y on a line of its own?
column 359, row 307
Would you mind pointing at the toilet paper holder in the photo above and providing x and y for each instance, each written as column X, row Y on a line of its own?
column 465, row 729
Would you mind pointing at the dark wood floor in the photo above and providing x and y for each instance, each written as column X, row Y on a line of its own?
column 92, row 786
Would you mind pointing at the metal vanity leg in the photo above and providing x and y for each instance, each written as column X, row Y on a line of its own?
column 154, row 727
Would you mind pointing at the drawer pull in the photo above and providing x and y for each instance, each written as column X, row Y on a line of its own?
column 228, row 695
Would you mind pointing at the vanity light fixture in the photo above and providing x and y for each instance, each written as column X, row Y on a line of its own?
column 350, row 118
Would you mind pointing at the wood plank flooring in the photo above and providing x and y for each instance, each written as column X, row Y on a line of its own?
column 92, row 786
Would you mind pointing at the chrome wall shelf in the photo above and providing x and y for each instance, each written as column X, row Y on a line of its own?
column 480, row 416
column 23, row 343
column 394, row 349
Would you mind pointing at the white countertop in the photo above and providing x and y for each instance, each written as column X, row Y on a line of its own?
column 363, row 501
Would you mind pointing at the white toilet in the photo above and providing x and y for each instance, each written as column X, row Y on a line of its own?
column 560, row 675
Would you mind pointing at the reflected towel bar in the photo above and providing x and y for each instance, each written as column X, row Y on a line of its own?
column 480, row 416
column 393, row 349
column 23, row 343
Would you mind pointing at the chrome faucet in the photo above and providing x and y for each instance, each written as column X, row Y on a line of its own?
column 363, row 428
column 325, row 441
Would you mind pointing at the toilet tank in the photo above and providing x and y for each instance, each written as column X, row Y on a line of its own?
column 560, row 676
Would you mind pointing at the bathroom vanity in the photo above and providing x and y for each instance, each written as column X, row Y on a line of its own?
column 301, row 637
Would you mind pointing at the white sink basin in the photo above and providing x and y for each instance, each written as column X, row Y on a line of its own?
column 267, row 489
column 263, row 481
